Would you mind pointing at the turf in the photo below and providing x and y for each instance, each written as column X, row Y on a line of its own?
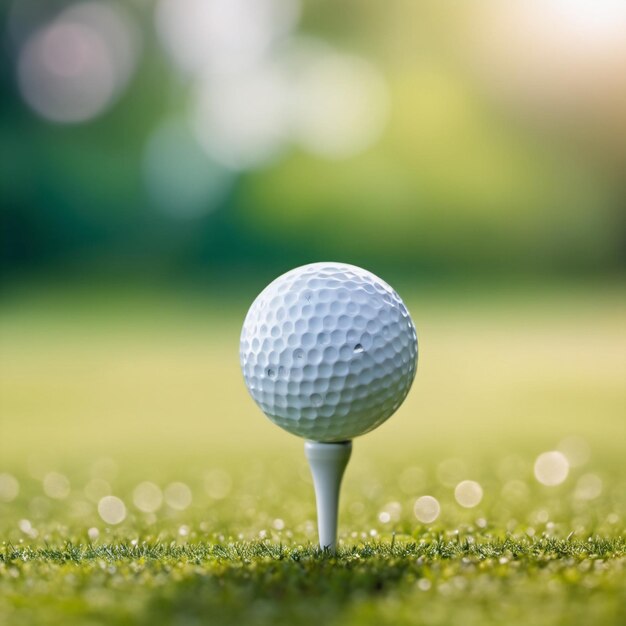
column 471, row 579
column 98, row 398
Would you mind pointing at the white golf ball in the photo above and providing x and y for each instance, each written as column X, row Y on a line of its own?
column 328, row 351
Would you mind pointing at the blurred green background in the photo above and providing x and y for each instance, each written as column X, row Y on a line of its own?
column 170, row 140
column 163, row 160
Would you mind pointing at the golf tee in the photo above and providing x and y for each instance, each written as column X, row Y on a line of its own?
column 327, row 462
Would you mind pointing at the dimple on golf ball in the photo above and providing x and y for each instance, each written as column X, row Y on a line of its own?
column 328, row 351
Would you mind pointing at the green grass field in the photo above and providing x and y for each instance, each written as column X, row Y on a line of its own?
column 103, row 394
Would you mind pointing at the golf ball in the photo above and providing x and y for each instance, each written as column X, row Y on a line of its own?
column 328, row 351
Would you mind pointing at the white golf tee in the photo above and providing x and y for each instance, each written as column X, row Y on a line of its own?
column 327, row 462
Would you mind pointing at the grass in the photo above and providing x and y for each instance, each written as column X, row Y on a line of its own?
column 99, row 397
column 435, row 581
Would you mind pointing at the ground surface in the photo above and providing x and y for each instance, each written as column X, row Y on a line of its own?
column 103, row 395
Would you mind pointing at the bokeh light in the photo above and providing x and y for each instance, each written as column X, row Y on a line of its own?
column 551, row 468
column 427, row 509
column 9, row 487
column 177, row 496
column 147, row 497
column 180, row 179
column 26, row 526
column 576, row 450
column 222, row 36
column 231, row 131
column 588, row 487
column 56, row 485
column 468, row 493
column 341, row 103
column 112, row 510
column 74, row 68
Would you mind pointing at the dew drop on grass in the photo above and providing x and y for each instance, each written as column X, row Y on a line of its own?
column 93, row 533
column 391, row 512
column 26, row 527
